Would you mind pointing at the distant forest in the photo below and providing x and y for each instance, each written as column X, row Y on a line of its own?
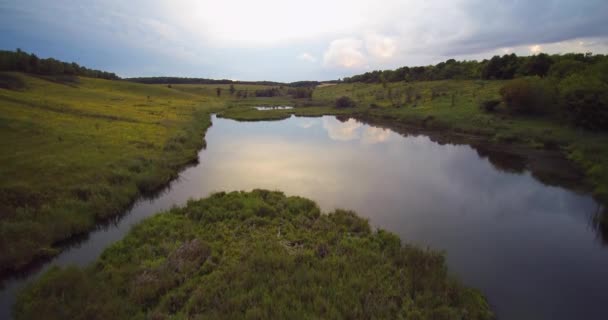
column 504, row 67
column 179, row 80
column 23, row 62
column 508, row 66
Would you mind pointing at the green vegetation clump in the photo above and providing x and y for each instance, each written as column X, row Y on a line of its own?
column 345, row 102
column 489, row 105
column 585, row 96
column 255, row 255
column 529, row 96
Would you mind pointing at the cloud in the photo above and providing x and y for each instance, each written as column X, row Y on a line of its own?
column 355, row 130
column 536, row 49
column 305, row 56
column 373, row 135
column 342, row 131
column 379, row 46
column 260, row 39
column 345, row 53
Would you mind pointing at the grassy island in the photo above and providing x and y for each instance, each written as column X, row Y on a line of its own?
column 255, row 255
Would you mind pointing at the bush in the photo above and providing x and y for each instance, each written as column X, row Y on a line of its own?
column 11, row 82
column 528, row 95
column 345, row 102
column 489, row 105
column 585, row 98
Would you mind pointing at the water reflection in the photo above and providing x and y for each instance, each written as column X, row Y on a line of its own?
column 600, row 224
column 273, row 108
column 352, row 129
column 527, row 245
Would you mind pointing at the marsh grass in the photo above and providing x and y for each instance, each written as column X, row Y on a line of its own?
column 255, row 255
column 76, row 154
column 79, row 152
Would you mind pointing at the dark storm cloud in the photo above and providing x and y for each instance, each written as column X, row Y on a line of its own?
column 498, row 24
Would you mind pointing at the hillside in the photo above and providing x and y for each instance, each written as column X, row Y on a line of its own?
column 74, row 152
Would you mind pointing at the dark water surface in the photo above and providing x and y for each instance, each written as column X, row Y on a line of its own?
column 273, row 108
column 529, row 247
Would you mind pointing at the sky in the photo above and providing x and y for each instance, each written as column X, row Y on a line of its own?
column 285, row 40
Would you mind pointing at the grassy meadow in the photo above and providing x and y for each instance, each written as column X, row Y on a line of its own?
column 255, row 255
column 78, row 151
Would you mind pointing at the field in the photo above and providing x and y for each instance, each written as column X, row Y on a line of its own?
column 80, row 151
column 256, row 255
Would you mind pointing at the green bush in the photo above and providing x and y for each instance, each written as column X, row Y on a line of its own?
column 489, row 105
column 345, row 102
column 529, row 95
column 585, row 98
column 11, row 82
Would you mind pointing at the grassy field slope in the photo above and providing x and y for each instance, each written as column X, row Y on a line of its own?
column 79, row 151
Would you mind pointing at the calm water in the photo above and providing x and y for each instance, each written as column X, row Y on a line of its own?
column 273, row 108
column 529, row 247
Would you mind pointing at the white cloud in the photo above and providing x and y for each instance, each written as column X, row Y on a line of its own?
column 342, row 131
column 373, row 135
column 305, row 56
column 536, row 49
column 379, row 46
column 345, row 53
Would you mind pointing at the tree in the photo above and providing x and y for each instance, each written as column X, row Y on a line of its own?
column 538, row 65
column 565, row 68
column 21, row 61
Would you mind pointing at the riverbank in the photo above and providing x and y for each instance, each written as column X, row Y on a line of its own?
column 78, row 153
column 258, row 255
column 450, row 109
column 81, row 152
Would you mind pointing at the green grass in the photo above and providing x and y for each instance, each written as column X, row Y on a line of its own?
column 74, row 154
column 257, row 255
column 78, row 150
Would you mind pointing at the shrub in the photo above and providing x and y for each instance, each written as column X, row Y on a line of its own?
column 11, row 82
column 585, row 98
column 528, row 95
column 489, row 105
column 345, row 102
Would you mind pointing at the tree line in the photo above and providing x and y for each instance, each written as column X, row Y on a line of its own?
column 22, row 61
column 185, row 80
column 508, row 66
